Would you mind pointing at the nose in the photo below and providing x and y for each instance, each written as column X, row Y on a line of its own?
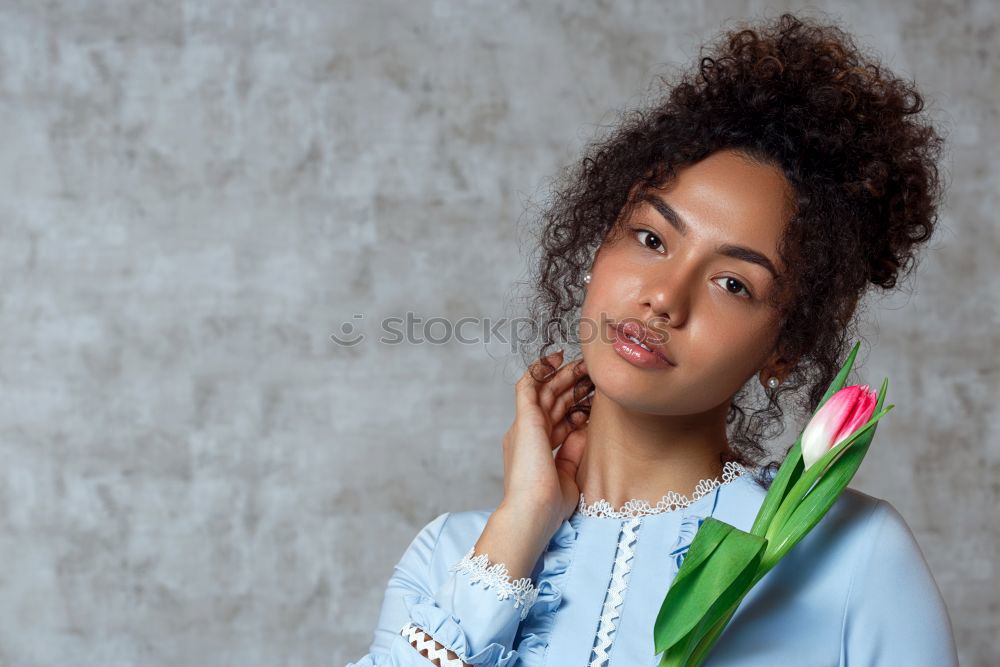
column 666, row 294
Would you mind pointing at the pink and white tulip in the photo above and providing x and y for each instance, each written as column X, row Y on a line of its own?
column 843, row 414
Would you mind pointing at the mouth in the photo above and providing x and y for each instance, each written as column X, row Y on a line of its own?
column 641, row 336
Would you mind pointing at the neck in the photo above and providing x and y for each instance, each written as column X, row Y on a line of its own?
column 631, row 455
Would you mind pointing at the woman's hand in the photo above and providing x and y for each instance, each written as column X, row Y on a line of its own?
column 534, row 481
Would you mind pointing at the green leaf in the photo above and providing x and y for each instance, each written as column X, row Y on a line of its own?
column 709, row 536
column 735, row 592
column 789, row 473
column 719, row 565
column 841, row 378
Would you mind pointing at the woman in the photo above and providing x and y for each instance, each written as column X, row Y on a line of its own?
column 716, row 246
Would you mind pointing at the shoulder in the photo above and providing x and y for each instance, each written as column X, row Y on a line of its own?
column 844, row 535
column 884, row 543
column 858, row 582
column 854, row 514
column 894, row 605
column 829, row 554
column 861, row 539
column 831, row 564
column 869, row 524
column 848, row 520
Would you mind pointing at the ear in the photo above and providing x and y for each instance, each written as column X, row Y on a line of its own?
column 776, row 366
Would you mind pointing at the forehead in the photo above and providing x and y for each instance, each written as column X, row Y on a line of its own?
column 729, row 197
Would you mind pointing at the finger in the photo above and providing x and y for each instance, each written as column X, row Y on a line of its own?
column 577, row 415
column 573, row 395
column 571, row 453
column 575, row 388
column 543, row 368
column 565, row 378
column 562, row 430
column 526, row 388
column 526, row 394
column 557, row 382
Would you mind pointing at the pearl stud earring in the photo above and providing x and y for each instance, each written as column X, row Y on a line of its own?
column 586, row 278
column 773, row 382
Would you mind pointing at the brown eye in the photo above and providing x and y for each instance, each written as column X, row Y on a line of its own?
column 652, row 241
column 735, row 287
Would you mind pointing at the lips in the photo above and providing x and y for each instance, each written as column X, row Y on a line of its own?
column 643, row 334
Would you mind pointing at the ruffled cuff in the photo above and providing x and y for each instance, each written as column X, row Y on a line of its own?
column 479, row 623
column 478, row 571
column 476, row 611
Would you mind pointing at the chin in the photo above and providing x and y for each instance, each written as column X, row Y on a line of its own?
column 635, row 394
column 653, row 394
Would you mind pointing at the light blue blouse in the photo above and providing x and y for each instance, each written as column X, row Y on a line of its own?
column 856, row 591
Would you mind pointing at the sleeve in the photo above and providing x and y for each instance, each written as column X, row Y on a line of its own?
column 895, row 614
column 474, row 612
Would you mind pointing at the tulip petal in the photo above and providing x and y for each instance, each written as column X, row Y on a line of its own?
column 843, row 414
column 861, row 413
column 818, row 435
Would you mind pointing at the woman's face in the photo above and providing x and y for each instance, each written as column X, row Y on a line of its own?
column 671, row 270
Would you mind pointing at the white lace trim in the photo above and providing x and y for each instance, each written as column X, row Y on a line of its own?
column 616, row 593
column 496, row 575
column 422, row 641
column 602, row 509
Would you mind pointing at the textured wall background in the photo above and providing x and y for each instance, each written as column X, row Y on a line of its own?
column 196, row 195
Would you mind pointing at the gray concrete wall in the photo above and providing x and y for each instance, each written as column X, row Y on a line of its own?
column 196, row 195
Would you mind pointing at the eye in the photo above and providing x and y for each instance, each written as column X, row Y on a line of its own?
column 734, row 283
column 652, row 241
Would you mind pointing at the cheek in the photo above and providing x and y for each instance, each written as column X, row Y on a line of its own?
column 604, row 298
column 733, row 348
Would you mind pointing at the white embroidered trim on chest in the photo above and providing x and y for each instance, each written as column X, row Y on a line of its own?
column 610, row 612
column 670, row 502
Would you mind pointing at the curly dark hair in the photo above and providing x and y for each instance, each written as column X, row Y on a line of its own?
column 849, row 138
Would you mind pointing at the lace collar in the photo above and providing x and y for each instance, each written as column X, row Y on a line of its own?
column 602, row 509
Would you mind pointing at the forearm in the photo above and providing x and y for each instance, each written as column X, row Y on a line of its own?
column 515, row 538
column 471, row 615
column 511, row 540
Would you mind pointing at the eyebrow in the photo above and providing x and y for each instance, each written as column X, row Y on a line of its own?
column 728, row 249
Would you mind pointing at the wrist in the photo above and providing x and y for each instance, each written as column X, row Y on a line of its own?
column 538, row 520
column 515, row 537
